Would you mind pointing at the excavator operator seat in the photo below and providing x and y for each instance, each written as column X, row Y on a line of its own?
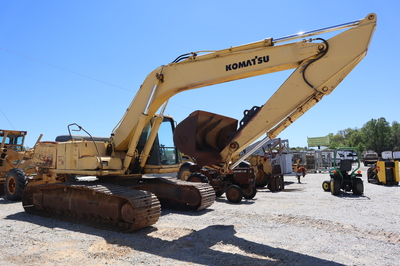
column 345, row 165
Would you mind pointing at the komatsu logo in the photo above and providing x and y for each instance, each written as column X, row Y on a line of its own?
column 251, row 62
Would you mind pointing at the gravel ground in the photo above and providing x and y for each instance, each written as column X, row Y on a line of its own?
column 301, row 225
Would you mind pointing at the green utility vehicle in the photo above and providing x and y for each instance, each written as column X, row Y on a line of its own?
column 343, row 176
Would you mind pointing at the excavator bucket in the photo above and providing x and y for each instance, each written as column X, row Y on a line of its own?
column 204, row 135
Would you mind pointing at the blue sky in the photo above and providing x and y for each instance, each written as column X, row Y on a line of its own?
column 64, row 62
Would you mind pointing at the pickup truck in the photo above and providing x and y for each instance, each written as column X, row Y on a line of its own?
column 370, row 158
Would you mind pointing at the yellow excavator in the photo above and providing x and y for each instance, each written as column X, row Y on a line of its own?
column 124, row 198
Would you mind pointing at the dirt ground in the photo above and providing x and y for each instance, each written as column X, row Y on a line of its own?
column 302, row 225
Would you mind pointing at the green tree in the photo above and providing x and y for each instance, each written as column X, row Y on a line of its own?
column 376, row 135
column 338, row 140
column 395, row 136
column 347, row 133
column 361, row 147
column 334, row 145
column 355, row 139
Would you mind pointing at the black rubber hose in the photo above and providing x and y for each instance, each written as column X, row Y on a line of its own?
column 322, row 54
column 181, row 57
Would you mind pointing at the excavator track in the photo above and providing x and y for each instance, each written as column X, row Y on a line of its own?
column 181, row 194
column 105, row 206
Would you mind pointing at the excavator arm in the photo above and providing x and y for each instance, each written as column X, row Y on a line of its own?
column 320, row 65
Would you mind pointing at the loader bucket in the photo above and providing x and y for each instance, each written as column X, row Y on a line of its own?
column 203, row 135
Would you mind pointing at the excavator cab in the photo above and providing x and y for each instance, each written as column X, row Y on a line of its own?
column 342, row 174
column 163, row 157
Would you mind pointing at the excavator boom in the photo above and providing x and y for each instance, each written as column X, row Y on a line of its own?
column 320, row 67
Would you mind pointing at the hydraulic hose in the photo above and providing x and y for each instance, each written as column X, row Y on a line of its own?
column 322, row 54
column 181, row 57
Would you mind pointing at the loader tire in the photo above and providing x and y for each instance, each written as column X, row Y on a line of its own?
column 263, row 182
column 184, row 172
column 358, row 186
column 15, row 183
column 261, row 178
column 234, row 194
